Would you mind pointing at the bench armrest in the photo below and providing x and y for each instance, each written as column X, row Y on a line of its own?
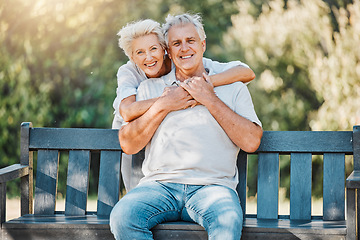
column 7, row 174
column 13, row 172
column 353, row 181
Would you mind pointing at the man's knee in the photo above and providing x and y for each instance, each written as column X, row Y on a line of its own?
column 122, row 216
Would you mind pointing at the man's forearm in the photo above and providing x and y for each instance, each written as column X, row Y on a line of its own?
column 244, row 133
column 136, row 134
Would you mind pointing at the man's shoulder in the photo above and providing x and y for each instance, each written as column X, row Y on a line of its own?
column 231, row 91
column 236, row 86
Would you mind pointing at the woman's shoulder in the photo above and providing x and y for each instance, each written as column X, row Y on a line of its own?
column 130, row 68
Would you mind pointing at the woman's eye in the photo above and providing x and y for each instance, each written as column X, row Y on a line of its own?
column 139, row 52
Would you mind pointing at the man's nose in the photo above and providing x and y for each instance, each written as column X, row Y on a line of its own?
column 184, row 46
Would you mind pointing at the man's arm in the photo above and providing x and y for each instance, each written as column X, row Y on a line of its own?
column 244, row 133
column 136, row 134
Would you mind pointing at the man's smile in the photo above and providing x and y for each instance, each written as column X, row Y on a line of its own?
column 187, row 56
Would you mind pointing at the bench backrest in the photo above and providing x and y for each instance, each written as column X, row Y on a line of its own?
column 48, row 142
column 300, row 145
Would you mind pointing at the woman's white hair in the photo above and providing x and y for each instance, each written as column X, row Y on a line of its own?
column 183, row 19
column 137, row 29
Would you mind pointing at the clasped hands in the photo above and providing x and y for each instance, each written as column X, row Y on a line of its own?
column 191, row 92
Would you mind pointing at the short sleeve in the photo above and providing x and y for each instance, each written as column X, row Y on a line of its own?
column 244, row 105
column 129, row 78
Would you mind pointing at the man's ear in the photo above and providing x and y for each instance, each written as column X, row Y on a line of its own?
column 168, row 53
column 204, row 45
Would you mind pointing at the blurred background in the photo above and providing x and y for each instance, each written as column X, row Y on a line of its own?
column 58, row 63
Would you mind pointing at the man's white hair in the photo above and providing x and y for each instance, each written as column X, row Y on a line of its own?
column 182, row 20
column 137, row 29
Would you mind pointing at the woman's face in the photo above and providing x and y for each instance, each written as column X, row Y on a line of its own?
column 148, row 55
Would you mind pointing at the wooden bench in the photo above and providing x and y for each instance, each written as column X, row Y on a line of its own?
column 41, row 221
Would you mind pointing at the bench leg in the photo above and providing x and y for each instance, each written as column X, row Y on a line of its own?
column 2, row 203
column 351, row 214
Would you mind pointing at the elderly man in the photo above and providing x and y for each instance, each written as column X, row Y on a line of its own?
column 190, row 159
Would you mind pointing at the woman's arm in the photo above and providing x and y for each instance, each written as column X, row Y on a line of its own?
column 136, row 134
column 235, row 74
column 131, row 109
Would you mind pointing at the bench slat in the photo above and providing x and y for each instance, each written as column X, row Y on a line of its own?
column 46, row 181
column 334, row 185
column 268, row 186
column 77, row 183
column 2, row 202
column 242, row 175
column 300, row 186
column 74, row 138
column 356, row 146
column 306, row 141
column 109, row 181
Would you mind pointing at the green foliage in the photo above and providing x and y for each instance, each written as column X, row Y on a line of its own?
column 307, row 73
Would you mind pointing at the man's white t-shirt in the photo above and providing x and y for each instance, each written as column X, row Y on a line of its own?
column 189, row 146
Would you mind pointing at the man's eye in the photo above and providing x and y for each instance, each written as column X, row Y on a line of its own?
column 176, row 44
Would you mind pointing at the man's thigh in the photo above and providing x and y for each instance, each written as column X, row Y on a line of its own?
column 213, row 205
column 150, row 203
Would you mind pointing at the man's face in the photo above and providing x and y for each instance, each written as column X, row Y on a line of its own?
column 185, row 48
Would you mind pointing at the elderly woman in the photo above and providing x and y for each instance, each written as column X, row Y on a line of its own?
column 143, row 42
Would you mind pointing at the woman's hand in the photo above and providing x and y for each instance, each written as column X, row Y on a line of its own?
column 200, row 88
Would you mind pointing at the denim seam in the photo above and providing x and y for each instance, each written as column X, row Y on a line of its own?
column 203, row 218
column 156, row 214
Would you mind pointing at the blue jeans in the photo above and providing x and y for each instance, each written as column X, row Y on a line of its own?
column 216, row 208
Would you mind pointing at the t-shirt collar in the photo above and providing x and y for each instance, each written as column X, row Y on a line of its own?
column 170, row 78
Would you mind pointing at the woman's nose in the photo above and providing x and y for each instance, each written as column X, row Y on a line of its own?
column 149, row 56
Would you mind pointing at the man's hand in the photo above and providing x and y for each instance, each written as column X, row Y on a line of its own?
column 176, row 98
column 200, row 88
